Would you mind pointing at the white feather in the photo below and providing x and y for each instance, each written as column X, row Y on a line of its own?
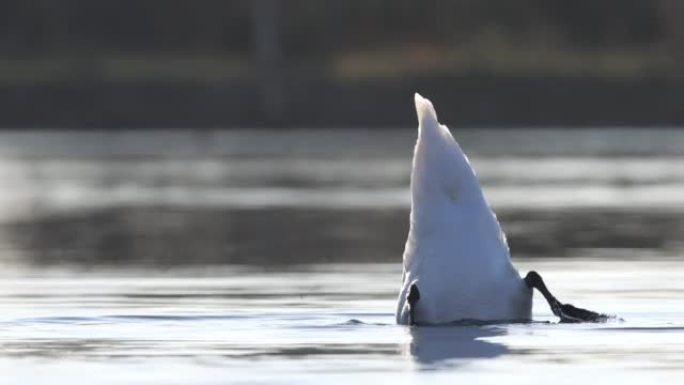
column 456, row 252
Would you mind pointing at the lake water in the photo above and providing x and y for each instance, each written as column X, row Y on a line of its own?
column 172, row 257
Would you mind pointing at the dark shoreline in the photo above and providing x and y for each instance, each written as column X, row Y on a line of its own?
column 474, row 101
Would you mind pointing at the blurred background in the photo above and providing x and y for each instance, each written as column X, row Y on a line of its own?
column 265, row 132
column 313, row 63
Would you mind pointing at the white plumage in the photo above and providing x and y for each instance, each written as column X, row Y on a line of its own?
column 456, row 253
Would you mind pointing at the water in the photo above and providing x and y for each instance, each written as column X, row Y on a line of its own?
column 331, row 323
column 160, row 257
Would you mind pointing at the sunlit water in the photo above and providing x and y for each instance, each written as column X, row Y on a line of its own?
column 328, row 324
column 174, row 257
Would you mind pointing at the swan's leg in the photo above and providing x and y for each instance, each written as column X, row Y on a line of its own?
column 535, row 281
column 412, row 298
column 566, row 312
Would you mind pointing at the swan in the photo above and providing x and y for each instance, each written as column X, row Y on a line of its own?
column 456, row 261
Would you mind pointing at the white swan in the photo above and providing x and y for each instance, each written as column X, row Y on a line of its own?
column 456, row 253
column 457, row 264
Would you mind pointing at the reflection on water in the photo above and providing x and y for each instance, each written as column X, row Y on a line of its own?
column 310, row 196
column 436, row 346
column 163, row 236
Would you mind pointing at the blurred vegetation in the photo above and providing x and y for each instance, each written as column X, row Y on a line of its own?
column 131, row 39
column 270, row 44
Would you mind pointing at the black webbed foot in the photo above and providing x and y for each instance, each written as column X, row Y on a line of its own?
column 566, row 312
column 412, row 298
column 572, row 314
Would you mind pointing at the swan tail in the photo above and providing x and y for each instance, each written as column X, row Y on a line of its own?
column 425, row 111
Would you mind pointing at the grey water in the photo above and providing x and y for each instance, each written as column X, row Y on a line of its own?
column 259, row 256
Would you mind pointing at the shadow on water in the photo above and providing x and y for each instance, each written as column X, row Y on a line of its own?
column 436, row 346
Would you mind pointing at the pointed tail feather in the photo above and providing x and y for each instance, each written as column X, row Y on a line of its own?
column 426, row 112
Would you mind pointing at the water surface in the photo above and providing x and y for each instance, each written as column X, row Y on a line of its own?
column 213, row 257
column 331, row 323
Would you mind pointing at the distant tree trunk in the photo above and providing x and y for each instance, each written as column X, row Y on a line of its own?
column 268, row 57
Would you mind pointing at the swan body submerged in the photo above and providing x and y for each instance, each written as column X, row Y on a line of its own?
column 456, row 259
